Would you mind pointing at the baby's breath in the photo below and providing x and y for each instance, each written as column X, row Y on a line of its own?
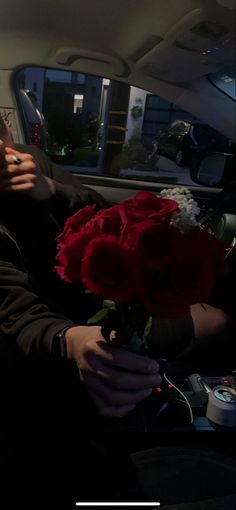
column 185, row 218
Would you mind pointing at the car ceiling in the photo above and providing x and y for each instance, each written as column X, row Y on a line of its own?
column 153, row 44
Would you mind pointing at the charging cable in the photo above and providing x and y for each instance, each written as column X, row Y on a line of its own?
column 182, row 395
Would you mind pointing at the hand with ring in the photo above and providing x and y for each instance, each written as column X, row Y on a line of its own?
column 20, row 173
column 16, row 160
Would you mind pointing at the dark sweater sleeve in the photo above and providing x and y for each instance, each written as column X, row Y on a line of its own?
column 70, row 194
column 23, row 318
column 69, row 188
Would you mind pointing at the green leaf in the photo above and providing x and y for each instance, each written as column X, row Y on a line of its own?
column 148, row 327
column 135, row 344
column 107, row 303
column 98, row 316
column 87, row 291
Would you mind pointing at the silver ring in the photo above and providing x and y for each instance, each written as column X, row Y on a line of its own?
column 16, row 160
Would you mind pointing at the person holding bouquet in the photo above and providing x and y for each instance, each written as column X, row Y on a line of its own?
column 38, row 332
column 152, row 265
column 36, row 198
column 38, row 192
column 47, row 444
column 69, row 376
column 116, row 379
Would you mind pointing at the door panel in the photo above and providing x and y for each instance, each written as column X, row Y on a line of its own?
column 115, row 190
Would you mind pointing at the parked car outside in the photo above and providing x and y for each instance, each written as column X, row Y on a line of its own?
column 183, row 138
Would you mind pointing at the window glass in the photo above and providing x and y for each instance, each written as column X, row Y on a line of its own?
column 54, row 75
column 225, row 80
column 206, row 134
column 202, row 133
column 95, row 126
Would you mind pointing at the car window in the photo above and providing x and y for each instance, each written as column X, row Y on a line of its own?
column 204, row 133
column 225, row 80
column 96, row 126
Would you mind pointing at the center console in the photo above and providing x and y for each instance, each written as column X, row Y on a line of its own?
column 195, row 402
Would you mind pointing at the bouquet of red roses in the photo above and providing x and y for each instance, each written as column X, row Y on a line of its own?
column 146, row 258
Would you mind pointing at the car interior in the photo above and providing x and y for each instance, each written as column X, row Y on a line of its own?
column 182, row 54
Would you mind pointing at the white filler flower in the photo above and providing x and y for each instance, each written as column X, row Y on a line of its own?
column 185, row 218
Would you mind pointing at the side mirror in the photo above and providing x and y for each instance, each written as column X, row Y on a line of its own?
column 214, row 170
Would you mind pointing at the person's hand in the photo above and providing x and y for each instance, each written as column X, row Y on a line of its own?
column 89, row 195
column 20, row 173
column 115, row 378
column 208, row 320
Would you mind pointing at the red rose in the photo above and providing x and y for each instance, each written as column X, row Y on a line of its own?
column 78, row 231
column 109, row 221
column 71, row 252
column 108, row 269
column 151, row 201
column 156, row 243
column 73, row 224
column 184, row 277
column 146, row 205
column 157, row 247
column 208, row 255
